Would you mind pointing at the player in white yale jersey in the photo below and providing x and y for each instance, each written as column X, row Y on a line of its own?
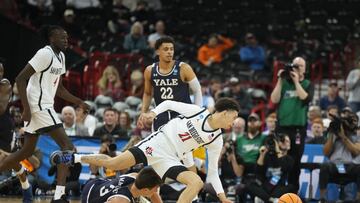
column 166, row 148
column 44, row 72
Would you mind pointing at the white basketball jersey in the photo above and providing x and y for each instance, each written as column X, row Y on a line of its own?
column 43, row 84
column 189, row 133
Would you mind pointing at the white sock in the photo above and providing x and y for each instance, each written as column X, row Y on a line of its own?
column 25, row 185
column 21, row 171
column 77, row 158
column 59, row 191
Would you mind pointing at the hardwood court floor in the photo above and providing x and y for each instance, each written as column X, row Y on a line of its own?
column 36, row 200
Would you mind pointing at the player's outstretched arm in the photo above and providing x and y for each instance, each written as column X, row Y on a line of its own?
column 180, row 107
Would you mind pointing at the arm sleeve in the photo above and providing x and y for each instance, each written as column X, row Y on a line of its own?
column 196, row 89
column 41, row 60
column 181, row 108
column 214, row 151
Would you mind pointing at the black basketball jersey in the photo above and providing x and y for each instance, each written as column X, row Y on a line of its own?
column 101, row 190
column 168, row 87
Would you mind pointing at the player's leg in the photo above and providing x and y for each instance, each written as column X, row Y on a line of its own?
column 180, row 173
column 64, row 142
column 120, row 162
column 12, row 161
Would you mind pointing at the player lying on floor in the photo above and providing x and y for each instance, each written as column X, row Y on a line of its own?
column 166, row 148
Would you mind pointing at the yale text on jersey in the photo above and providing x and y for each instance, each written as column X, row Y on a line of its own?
column 166, row 82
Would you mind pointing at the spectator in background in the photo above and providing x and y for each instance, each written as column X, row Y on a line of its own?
column 343, row 149
column 87, row 120
column 72, row 128
column 159, row 32
column 110, row 84
column 313, row 113
column 353, row 84
column 270, row 124
column 253, row 54
column 331, row 110
column 238, row 129
column 317, row 131
column 240, row 95
column 125, row 122
column 207, row 100
column 137, row 84
column 135, row 41
column 111, row 125
column 211, row 53
column 71, row 25
column 293, row 97
column 215, row 87
column 332, row 98
column 119, row 19
column 273, row 168
column 143, row 14
column 248, row 146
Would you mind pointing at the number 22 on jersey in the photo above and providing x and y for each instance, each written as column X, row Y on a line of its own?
column 166, row 93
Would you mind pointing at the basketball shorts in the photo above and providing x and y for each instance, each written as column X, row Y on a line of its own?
column 157, row 152
column 42, row 122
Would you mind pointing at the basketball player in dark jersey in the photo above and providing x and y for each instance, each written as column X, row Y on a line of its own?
column 124, row 188
column 168, row 80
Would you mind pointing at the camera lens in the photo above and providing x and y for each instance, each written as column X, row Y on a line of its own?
column 112, row 147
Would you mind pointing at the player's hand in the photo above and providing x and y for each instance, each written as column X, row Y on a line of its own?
column 146, row 119
column 26, row 115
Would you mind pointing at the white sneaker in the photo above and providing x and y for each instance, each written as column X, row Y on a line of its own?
column 258, row 200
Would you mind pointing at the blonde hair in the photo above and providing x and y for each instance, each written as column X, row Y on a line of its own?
column 137, row 24
column 103, row 81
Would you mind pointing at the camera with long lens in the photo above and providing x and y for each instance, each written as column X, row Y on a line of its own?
column 112, row 147
column 287, row 70
column 349, row 123
column 270, row 142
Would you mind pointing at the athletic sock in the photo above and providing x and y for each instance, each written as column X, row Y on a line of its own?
column 77, row 158
column 59, row 191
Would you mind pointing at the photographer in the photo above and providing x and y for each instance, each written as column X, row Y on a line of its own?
column 293, row 93
column 272, row 169
column 108, row 147
column 343, row 149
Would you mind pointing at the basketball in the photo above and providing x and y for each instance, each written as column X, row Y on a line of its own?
column 290, row 198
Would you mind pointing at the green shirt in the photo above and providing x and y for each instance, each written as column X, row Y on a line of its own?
column 248, row 149
column 292, row 111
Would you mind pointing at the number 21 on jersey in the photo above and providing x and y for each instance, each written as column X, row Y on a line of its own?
column 184, row 136
column 166, row 93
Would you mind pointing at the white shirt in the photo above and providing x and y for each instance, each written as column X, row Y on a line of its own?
column 191, row 131
column 90, row 122
column 43, row 84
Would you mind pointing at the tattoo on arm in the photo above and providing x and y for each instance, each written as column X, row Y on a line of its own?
column 95, row 159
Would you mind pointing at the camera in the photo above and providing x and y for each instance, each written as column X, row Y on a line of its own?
column 112, row 147
column 287, row 69
column 349, row 124
column 229, row 147
column 270, row 142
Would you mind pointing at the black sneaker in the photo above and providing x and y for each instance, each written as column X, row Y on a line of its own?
column 62, row 157
column 61, row 200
